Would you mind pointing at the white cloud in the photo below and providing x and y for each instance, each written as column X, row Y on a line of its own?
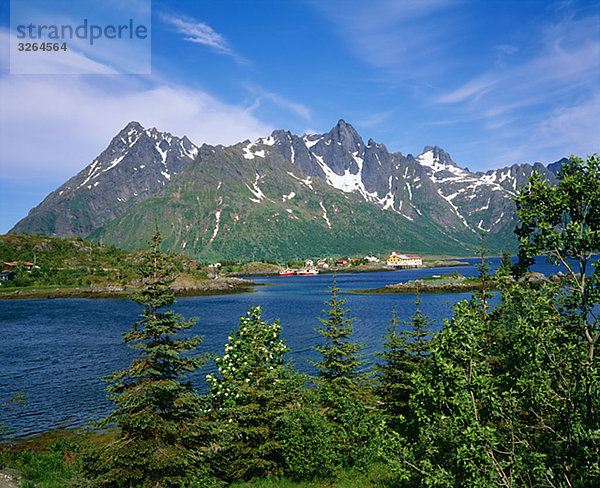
column 578, row 125
column 52, row 127
column 200, row 33
column 568, row 129
column 474, row 89
column 263, row 95
column 540, row 107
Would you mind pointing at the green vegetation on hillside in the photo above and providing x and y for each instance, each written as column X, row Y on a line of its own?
column 217, row 214
column 74, row 262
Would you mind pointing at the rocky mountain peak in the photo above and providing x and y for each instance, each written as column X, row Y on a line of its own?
column 556, row 167
column 134, row 125
column 426, row 193
column 345, row 135
column 441, row 156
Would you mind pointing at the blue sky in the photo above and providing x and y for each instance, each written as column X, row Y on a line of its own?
column 492, row 82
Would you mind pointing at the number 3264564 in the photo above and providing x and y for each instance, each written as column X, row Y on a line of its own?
column 42, row 46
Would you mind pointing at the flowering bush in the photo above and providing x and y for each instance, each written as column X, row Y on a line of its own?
column 247, row 398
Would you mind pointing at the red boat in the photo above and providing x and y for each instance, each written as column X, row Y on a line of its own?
column 287, row 272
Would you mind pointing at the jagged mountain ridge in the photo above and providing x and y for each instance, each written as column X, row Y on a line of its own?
column 430, row 185
column 136, row 164
column 429, row 197
column 246, row 202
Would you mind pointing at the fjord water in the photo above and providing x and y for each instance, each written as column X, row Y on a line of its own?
column 56, row 351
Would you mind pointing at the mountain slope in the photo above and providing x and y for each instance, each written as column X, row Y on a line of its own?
column 428, row 188
column 136, row 164
column 247, row 201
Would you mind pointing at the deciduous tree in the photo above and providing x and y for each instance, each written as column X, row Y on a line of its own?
column 247, row 398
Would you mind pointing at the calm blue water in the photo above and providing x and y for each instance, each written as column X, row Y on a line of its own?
column 56, row 351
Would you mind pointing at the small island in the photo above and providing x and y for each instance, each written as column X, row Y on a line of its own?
column 451, row 283
column 443, row 283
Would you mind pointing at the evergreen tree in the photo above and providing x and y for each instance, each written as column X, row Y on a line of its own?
column 253, row 389
column 481, row 297
column 345, row 392
column 157, row 410
column 340, row 356
column 403, row 354
column 394, row 373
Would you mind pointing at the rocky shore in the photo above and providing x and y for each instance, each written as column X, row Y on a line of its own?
column 457, row 285
column 411, row 287
column 182, row 286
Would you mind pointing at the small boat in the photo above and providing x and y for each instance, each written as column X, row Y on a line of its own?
column 287, row 272
column 307, row 272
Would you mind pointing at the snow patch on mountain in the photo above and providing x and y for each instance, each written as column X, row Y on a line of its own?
column 325, row 215
column 310, row 143
column 163, row 154
column 307, row 181
column 256, row 191
column 267, row 141
column 348, row 182
column 216, row 230
column 249, row 154
column 449, row 200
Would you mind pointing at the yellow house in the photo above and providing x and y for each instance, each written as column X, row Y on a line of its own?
column 397, row 259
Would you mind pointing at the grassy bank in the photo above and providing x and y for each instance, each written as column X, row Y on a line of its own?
column 51, row 460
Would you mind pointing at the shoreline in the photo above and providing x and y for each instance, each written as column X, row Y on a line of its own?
column 236, row 282
column 425, row 289
column 220, row 286
column 360, row 269
column 458, row 286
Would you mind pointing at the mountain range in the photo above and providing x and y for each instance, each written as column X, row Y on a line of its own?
column 283, row 196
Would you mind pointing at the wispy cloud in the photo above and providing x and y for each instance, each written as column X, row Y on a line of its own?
column 397, row 35
column 545, row 105
column 473, row 90
column 263, row 95
column 201, row 33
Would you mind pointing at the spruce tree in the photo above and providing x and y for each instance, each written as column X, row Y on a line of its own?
column 157, row 410
column 252, row 390
column 345, row 393
column 403, row 354
column 340, row 356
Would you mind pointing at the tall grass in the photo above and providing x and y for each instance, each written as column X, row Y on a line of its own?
column 375, row 476
column 39, row 470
